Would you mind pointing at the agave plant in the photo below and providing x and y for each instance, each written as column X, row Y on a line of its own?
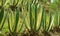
column 13, row 26
column 2, row 18
column 56, row 23
column 32, row 22
column 46, row 26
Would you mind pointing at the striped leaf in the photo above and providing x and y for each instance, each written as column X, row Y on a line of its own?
column 9, row 23
column 51, row 19
column 2, row 24
column 16, row 20
column 35, row 17
column 31, row 18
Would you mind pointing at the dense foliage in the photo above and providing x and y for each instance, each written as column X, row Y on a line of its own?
column 28, row 17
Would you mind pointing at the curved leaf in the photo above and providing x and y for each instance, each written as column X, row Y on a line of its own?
column 1, row 15
column 16, row 20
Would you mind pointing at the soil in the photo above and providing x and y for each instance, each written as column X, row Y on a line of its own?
column 30, row 33
column 45, row 33
column 35, row 34
column 53, row 32
column 14, row 34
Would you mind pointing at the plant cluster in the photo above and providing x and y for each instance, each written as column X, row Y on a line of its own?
column 29, row 17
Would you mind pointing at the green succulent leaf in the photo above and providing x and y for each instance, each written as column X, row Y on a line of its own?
column 1, row 15
column 2, row 24
column 9, row 23
column 31, row 25
column 56, row 19
column 16, row 20
column 41, row 20
column 50, row 22
column 35, row 17
column 22, row 25
column 44, row 18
